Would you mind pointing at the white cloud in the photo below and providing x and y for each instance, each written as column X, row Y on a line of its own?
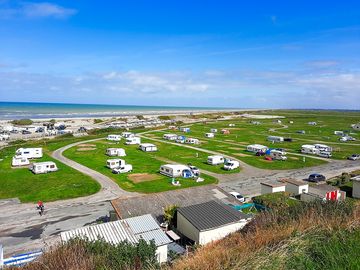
column 322, row 64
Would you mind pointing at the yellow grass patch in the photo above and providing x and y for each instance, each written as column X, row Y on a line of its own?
column 236, row 148
column 241, row 155
column 86, row 145
column 86, row 149
column 142, row 177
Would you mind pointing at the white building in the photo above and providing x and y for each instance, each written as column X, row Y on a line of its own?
column 267, row 188
column 43, row 167
column 29, row 153
column 133, row 140
column 115, row 152
column 275, row 139
column 209, row 221
column 130, row 230
column 356, row 187
column 296, row 187
column 215, row 160
column 19, row 161
column 174, row 170
column 148, row 147
column 114, row 137
column 257, row 148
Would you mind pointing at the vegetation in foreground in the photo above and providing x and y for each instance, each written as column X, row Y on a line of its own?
column 304, row 236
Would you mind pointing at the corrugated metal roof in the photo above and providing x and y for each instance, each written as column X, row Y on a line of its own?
column 211, row 215
column 131, row 229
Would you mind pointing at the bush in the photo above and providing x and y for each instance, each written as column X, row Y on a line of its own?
column 22, row 122
column 165, row 117
column 140, row 117
column 98, row 121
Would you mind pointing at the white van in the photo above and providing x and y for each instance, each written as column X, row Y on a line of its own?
column 215, row 160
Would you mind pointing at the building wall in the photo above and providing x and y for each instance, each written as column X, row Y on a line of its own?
column 161, row 253
column 219, row 233
column 296, row 189
column 356, row 189
column 186, row 228
column 306, row 197
column 266, row 189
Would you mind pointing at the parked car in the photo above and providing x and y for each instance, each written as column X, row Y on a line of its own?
column 316, row 177
column 194, row 170
column 237, row 196
column 325, row 154
column 24, row 132
column 354, row 157
column 124, row 169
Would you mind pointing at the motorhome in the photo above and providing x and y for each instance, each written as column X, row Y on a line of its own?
column 176, row 170
column 275, row 139
column 114, row 137
column 192, row 141
column 213, row 130
column 215, row 160
column 115, row 163
column 278, row 155
column 255, row 148
column 29, row 152
column 309, row 149
column 209, row 135
column 170, row 137
column 115, row 152
column 19, row 161
column 133, row 140
column 126, row 134
column 43, row 167
column 323, row 147
column 148, row 147
column 231, row 164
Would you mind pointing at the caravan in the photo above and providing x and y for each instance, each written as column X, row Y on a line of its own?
column 126, row 134
column 148, row 147
column 43, row 167
column 192, row 141
column 213, row 130
column 257, row 148
column 133, row 140
column 278, row 155
column 215, row 160
column 323, row 147
column 113, row 137
column 115, row 163
column 176, row 170
column 19, row 161
column 115, row 152
column 309, row 149
column 170, row 137
column 29, row 153
column 275, row 139
column 209, row 135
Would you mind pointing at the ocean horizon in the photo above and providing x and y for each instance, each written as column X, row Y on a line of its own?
column 38, row 110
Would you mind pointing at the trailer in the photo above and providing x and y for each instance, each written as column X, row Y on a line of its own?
column 209, row 135
column 19, row 161
column 215, row 160
column 255, row 148
column 176, row 170
column 43, row 167
column 170, row 137
column 192, row 141
column 115, row 163
column 278, row 155
column 133, row 140
column 114, row 137
column 115, row 152
column 275, row 139
column 29, row 153
column 309, row 149
column 148, row 147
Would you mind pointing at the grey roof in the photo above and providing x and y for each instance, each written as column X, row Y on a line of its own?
column 211, row 214
column 131, row 229
column 321, row 190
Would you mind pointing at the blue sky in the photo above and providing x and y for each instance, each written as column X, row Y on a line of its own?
column 253, row 54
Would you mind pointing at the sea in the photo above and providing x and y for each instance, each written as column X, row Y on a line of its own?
column 34, row 110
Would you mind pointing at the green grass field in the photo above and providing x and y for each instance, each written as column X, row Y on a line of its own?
column 66, row 183
column 145, row 166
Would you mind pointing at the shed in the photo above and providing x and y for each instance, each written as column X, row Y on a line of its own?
column 296, row 187
column 209, row 221
column 272, row 187
column 130, row 229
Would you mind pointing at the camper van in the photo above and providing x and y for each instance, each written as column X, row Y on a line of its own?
column 275, row 139
column 148, row 147
column 215, row 160
column 176, row 170
column 192, row 141
column 115, row 163
column 213, row 130
column 43, row 167
column 29, row 153
column 133, row 140
column 122, row 169
column 19, row 161
column 209, row 135
column 323, row 147
column 115, row 152
column 278, row 155
column 170, row 137
column 255, row 148
column 231, row 164
column 126, row 134
column 309, row 149
column 114, row 137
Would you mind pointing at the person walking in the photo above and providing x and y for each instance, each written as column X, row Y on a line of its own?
column 40, row 207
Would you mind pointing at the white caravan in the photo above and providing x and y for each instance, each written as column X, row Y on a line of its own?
column 192, row 141
column 278, row 155
column 148, row 147
column 29, row 152
column 209, row 135
column 275, row 139
column 126, row 134
column 19, row 161
column 312, row 123
column 115, row 152
column 43, row 167
column 215, row 160
column 114, row 137
column 213, row 130
column 4, row 137
column 257, row 148
column 133, row 140
column 339, row 133
column 231, row 164
column 174, row 170
column 309, row 149
column 323, row 147
column 115, row 163
column 170, row 137
column 231, row 125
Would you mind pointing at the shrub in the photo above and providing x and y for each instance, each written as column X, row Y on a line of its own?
column 22, row 122
column 98, row 121
column 140, row 117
